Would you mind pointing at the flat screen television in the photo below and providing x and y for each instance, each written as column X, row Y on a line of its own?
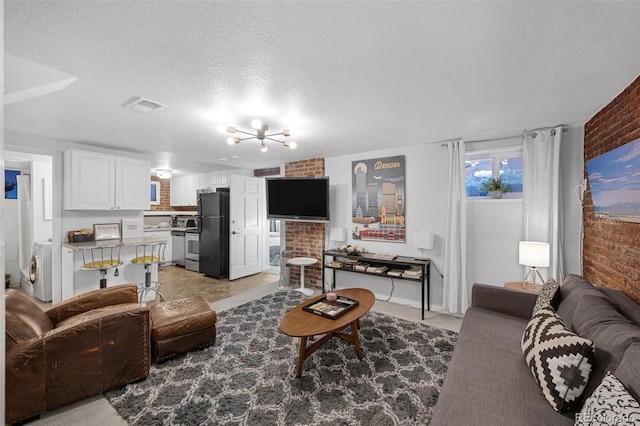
column 298, row 199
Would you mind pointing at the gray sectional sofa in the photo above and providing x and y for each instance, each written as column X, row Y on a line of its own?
column 488, row 381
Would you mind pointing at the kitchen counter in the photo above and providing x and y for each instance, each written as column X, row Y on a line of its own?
column 179, row 228
column 170, row 213
column 126, row 242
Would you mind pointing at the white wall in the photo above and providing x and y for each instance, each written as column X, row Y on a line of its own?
column 425, row 203
column 41, row 170
column 494, row 227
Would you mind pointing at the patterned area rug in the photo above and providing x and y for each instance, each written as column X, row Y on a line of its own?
column 248, row 376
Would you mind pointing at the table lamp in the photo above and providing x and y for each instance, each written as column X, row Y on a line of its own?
column 423, row 241
column 533, row 254
column 338, row 235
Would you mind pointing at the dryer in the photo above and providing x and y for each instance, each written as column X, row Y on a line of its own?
column 40, row 271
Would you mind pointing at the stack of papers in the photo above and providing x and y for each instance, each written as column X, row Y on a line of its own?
column 383, row 256
column 395, row 272
column 350, row 263
column 412, row 273
column 361, row 266
column 377, row 269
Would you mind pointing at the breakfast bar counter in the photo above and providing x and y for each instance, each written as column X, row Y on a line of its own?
column 78, row 279
column 124, row 242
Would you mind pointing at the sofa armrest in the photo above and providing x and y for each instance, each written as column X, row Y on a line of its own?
column 87, row 355
column 124, row 293
column 507, row 301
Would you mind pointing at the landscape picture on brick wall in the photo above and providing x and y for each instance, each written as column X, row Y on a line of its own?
column 378, row 199
column 614, row 178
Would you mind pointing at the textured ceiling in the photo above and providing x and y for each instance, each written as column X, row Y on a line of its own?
column 345, row 77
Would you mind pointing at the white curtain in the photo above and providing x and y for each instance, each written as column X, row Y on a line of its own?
column 455, row 295
column 542, row 195
column 25, row 221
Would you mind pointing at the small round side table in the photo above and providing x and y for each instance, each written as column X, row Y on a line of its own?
column 302, row 262
column 519, row 285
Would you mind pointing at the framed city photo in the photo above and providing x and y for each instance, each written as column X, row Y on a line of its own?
column 378, row 199
column 106, row 231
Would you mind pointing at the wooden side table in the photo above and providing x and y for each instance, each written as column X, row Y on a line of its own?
column 519, row 285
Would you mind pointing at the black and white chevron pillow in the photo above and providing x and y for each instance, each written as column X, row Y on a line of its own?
column 560, row 360
column 610, row 403
column 547, row 295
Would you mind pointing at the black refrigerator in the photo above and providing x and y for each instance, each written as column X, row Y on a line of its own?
column 213, row 223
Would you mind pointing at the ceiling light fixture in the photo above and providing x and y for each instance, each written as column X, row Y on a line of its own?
column 261, row 134
column 164, row 173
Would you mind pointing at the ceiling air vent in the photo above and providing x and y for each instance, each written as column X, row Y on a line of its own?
column 142, row 105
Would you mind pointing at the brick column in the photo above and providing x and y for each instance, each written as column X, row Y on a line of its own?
column 305, row 239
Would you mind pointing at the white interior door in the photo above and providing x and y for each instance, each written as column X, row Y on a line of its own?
column 245, row 226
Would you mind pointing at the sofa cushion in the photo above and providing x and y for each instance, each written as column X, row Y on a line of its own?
column 628, row 370
column 627, row 306
column 609, row 404
column 571, row 291
column 548, row 293
column 612, row 333
column 560, row 360
column 487, row 381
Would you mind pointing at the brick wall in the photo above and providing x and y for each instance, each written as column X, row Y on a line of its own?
column 305, row 239
column 273, row 171
column 611, row 254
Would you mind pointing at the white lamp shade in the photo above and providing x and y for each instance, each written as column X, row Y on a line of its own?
column 533, row 253
column 338, row 234
column 423, row 240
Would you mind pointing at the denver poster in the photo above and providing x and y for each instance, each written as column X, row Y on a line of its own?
column 378, row 199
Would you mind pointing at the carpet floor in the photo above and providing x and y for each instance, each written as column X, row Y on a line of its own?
column 248, row 376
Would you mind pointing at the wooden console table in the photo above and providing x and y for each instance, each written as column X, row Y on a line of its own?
column 400, row 262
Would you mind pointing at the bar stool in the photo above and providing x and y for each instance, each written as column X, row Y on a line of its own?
column 150, row 254
column 102, row 258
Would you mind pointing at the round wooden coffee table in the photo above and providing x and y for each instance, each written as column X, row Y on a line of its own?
column 299, row 323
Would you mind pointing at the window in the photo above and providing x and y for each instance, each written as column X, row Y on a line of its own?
column 155, row 193
column 11, row 184
column 503, row 164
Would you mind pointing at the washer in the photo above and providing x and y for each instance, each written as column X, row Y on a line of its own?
column 40, row 272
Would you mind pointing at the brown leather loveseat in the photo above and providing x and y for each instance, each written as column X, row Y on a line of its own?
column 81, row 347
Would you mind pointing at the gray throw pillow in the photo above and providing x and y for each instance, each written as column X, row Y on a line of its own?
column 560, row 360
column 610, row 404
column 547, row 295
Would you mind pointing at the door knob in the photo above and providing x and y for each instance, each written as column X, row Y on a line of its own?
column 234, row 232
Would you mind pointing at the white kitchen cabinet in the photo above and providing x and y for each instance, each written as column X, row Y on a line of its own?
column 190, row 195
column 183, row 190
column 96, row 181
column 224, row 179
column 175, row 192
column 208, row 180
column 164, row 235
column 132, row 184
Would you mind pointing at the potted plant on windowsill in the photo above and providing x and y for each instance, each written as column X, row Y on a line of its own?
column 495, row 188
